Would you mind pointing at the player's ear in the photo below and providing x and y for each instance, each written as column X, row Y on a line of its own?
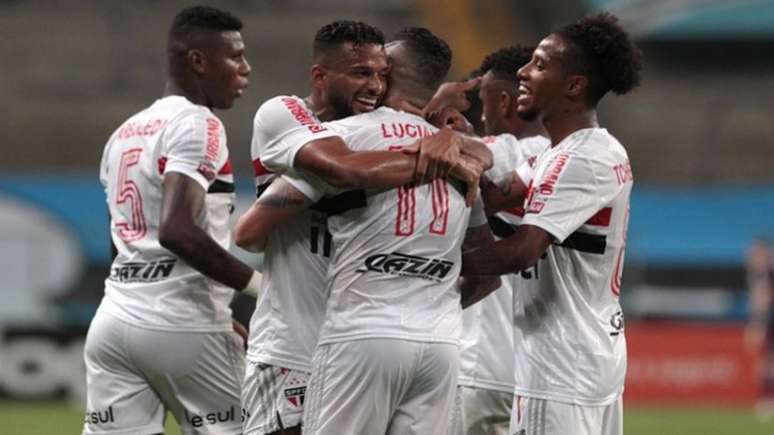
column 197, row 60
column 576, row 86
column 317, row 75
column 505, row 102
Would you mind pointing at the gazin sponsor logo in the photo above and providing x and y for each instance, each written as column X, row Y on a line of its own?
column 433, row 269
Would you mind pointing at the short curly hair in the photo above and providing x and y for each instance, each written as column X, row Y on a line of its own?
column 506, row 62
column 205, row 17
column 605, row 54
column 340, row 32
column 430, row 55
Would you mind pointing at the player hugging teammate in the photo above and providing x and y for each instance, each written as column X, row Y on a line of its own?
column 377, row 231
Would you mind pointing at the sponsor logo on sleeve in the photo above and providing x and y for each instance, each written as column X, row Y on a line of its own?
column 431, row 269
column 303, row 116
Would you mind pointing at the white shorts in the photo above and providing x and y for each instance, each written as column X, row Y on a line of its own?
column 479, row 411
column 134, row 375
column 532, row 416
column 381, row 386
column 272, row 398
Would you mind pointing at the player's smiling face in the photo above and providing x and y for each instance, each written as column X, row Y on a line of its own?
column 541, row 81
column 356, row 79
column 227, row 70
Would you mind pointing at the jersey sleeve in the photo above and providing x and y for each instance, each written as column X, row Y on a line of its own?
column 196, row 146
column 311, row 188
column 567, row 193
column 282, row 126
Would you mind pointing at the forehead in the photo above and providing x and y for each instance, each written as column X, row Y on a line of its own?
column 350, row 54
column 226, row 41
column 550, row 48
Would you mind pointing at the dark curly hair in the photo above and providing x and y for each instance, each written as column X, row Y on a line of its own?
column 505, row 62
column 340, row 32
column 204, row 17
column 430, row 55
column 605, row 54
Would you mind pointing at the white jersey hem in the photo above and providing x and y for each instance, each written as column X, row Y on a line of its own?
column 224, row 327
column 466, row 381
column 338, row 338
column 262, row 358
column 567, row 399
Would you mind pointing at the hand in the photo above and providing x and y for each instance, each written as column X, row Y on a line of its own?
column 452, row 118
column 438, row 154
column 452, row 95
column 240, row 329
column 469, row 172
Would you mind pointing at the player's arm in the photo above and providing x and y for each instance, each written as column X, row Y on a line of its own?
column 517, row 252
column 182, row 201
column 332, row 161
column 473, row 288
column 509, row 192
column 278, row 203
column 450, row 95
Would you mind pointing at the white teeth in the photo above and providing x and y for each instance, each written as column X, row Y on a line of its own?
column 367, row 101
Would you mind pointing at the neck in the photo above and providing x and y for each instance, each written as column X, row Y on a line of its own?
column 405, row 103
column 567, row 121
column 187, row 89
column 521, row 129
column 320, row 109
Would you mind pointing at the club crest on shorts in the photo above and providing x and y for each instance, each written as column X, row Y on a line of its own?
column 295, row 396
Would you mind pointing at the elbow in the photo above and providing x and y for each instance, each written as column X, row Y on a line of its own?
column 246, row 239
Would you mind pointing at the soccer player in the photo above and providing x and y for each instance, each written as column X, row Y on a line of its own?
column 162, row 338
column 348, row 77
column 759, row 334
column 387, row 357
column 571, row 364
column 485, row 391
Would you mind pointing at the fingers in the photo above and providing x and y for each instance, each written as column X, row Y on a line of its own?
column 470, row 84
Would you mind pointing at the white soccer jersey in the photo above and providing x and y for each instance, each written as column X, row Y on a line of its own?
column 397, row 259
column 291, row 301
column 487, row 332
column 148, row 285
column 573, row 348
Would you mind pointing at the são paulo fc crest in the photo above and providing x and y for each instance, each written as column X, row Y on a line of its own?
column 295, row 396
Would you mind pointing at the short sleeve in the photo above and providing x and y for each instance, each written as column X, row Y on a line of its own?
column 281, row 127
column 566, row 192
column 195, row 145
column 312, row 189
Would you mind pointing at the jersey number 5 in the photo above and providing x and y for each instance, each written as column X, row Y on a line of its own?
column 127, row 191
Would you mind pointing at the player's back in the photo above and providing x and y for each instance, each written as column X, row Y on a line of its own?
column 396, row 260
column 148, row 285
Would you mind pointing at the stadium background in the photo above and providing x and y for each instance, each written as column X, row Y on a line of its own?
column 698, row 133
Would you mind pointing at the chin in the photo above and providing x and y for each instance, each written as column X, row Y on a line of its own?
column 527, row 113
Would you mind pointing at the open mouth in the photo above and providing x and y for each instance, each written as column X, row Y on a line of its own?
column 524, row 94
column 367, row 102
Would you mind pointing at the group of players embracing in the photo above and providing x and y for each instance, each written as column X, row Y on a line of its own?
column 420, row 276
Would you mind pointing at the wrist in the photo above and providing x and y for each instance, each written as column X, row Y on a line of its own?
column 253, row 285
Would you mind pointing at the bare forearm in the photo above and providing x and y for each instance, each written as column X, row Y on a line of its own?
column 377, row 170
column 517, row 252
column 476, row 288
column 478, row 150
column 201, row 252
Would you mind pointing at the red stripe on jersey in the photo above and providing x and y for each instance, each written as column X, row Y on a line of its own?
column 226, row 169
column 516, row 211
column 602, row 218
column 259, row 169
column 162, row 164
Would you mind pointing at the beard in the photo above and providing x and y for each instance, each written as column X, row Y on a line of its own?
column 342, row 107
column 529, row 114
